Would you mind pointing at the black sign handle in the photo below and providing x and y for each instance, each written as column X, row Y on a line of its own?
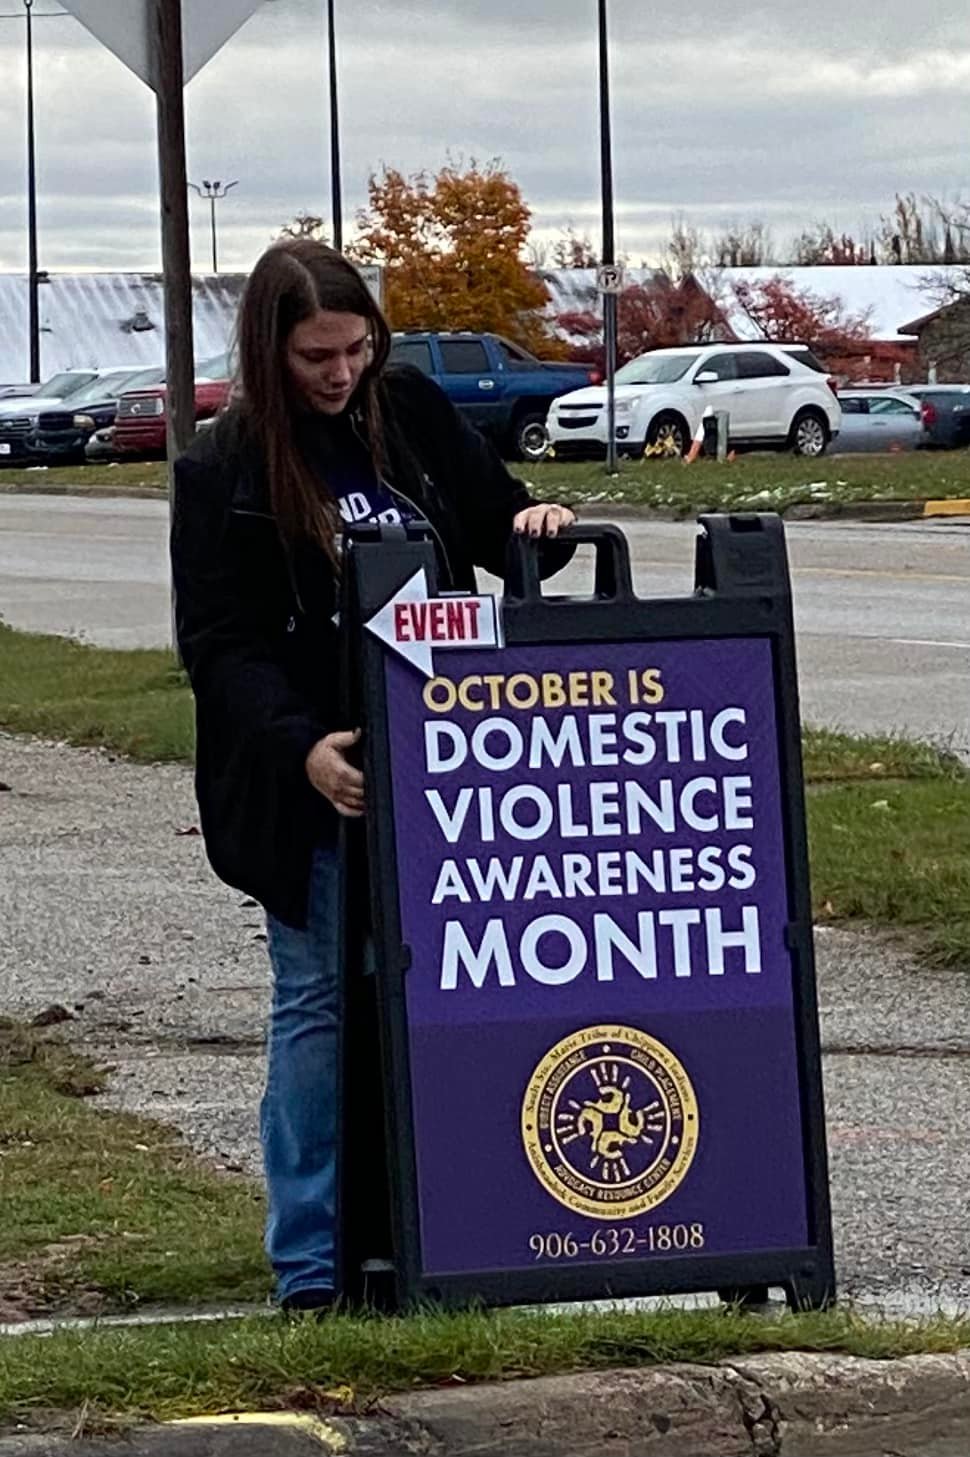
column 613, row 579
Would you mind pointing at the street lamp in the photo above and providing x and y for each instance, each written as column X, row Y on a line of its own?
column 609, row 298
column 336, row 203
column 32, row 279
column 215, row 192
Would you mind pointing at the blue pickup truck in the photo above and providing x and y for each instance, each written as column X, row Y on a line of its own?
column 496, row 385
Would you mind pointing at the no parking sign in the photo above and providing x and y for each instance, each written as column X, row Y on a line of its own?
column 595, row 981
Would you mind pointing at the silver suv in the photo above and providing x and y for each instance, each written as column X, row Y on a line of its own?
column 776, row 396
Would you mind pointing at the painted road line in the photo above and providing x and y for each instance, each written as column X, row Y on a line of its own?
column 321, row 1431
column 954, row 507
column 902, row 576
column 897, row 576
column 923, row 642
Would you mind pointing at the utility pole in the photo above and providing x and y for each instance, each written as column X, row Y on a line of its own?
column 215, row 192
column 609, row 299
column 32, row 277
column 336, row 201
column 166, row 50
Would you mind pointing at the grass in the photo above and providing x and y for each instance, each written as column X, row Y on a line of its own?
column 347, row 1363
column 103, row 1210
column 126, row 478
column 765, row 482
column 759, row 482
column 888, row 819
column 896, row 855
column 134, row 702
column 833, row 757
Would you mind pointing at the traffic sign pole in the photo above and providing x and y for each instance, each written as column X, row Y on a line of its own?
column 606, row 180
column 609, row 340
column 166, row 46
column 176, row 264
column 609, row 282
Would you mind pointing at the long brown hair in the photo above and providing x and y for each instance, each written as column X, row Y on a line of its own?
column 291, row 281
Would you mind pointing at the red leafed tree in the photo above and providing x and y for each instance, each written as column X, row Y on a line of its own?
column 786, row 314
column 655, row 315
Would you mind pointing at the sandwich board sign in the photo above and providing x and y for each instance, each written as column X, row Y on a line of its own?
column 125, row 29
column 594, row 986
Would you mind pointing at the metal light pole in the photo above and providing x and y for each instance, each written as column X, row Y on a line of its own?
column 32, row 281
column 609, row 299
column 336, row 203
column 215, row 192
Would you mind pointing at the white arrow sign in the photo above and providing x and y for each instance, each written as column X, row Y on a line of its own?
column 123, row 26
column 415, row 625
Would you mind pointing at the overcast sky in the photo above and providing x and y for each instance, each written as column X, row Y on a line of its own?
column 784, row 112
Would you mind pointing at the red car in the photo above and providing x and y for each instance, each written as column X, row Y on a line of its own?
column 140, row 424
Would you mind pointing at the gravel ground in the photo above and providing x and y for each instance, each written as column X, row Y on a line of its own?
column 110, row 910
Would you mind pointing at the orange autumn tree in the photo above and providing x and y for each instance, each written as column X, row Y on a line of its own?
column 451, row 246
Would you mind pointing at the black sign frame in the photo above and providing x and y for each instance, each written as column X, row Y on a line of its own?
column 741, row 589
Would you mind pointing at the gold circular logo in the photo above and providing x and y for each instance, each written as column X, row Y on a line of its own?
column 610, row 1122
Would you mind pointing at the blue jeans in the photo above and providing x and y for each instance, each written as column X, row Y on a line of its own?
column 298, row 1117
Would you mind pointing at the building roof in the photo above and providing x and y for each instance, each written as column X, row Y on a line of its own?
column 891, row 296
column 92, row 320
column 573, row 290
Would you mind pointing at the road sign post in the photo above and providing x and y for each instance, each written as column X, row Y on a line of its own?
column 594, row 984
column 166, row 52
column 610, row 283
column 166, row 42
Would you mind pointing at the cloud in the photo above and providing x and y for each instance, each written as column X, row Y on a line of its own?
column 776, row 112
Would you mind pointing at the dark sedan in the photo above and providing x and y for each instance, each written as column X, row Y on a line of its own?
column 946, row 414
column 62, row 431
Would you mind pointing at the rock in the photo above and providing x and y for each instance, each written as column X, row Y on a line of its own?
column 52, row 1016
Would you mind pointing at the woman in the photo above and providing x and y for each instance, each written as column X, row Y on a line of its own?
column 321, row 434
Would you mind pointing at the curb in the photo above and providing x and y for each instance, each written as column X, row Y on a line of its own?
column 784, row 1405
column 789, row 1404
column 951, row 506
column 855, row 511
column 799, row 511
column 83, row 493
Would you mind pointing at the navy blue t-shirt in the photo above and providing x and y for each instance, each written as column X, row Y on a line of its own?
column 372, row 501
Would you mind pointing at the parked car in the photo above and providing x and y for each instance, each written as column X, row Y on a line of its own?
column 62, row 431
column 776, row 396
column 880, row 420
column 18, row 417
column 101, row 445
column 140, row 425
column 946, row 414
column 17, row 391
column 498, row 386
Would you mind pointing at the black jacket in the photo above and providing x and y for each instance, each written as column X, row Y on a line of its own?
column 256, row 634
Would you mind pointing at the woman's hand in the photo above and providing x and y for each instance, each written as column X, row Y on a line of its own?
column 543, row 520
column 332, row 776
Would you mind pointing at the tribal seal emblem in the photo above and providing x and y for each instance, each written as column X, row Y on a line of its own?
column 610, row 1122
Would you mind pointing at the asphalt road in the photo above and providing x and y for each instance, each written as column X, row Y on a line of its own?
column 882, row 611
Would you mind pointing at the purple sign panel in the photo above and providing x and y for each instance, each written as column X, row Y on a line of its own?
column 600, row 1006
